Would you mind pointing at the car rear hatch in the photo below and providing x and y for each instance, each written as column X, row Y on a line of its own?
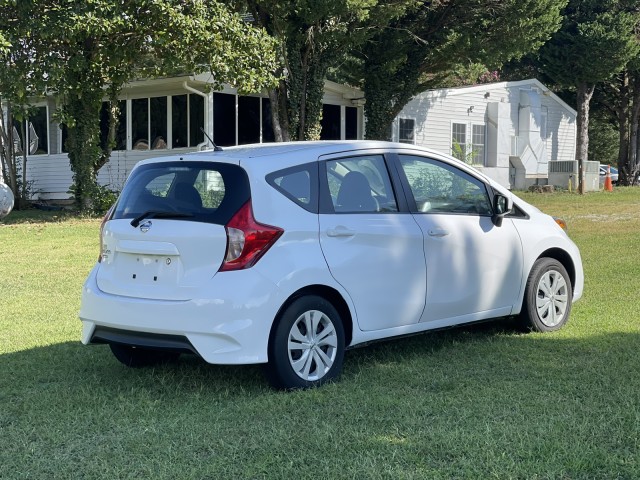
column 166, row 235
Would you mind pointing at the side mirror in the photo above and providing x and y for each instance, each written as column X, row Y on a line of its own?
column 502, row 205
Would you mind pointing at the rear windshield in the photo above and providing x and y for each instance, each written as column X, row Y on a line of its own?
column 194, row 191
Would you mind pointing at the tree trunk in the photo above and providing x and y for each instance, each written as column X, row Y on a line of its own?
column 584, row 94
column 278, row 121
column 9, row 172
column 114, row 114
column 84, row 148
column 304, row 70
column 622, row 112
column 629, row 170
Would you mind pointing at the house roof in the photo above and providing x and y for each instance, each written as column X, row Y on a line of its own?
column 487, row 87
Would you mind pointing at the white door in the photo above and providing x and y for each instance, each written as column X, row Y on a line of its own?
column 372, row 250
column 473, row 267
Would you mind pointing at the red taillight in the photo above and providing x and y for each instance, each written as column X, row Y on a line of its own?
column 105, row 219
column 247, row 240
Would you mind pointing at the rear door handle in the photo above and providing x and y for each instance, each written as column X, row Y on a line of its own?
column 340, row 232
column 438, row 232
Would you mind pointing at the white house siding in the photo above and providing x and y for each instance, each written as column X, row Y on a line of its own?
column 561, row 144
column 518, row 108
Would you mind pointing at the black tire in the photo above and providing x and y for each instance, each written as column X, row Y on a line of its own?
column 316, row 362
column 141, row 357
column 547, row 297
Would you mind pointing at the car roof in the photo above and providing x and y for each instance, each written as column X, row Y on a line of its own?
column 315, row 149
column 289, row 153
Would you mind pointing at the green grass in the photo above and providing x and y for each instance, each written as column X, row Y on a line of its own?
column 474, row 402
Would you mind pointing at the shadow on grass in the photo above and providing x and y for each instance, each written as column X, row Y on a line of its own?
column 479, row 346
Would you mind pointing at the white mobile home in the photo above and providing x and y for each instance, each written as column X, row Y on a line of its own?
column 164, row 116
column 509, row 130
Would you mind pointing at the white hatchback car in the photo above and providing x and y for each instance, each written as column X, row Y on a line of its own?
column 287, row 254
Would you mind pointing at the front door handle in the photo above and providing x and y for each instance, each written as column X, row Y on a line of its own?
column 340, row 232
column 438, row 232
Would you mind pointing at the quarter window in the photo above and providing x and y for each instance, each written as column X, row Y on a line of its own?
column 298, row 184
column 440, row 188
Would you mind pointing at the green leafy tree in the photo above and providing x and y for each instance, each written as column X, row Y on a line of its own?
column 82, row 51
column 597, row 40
column 444, row 43
column 614, row 125
column 312, row 36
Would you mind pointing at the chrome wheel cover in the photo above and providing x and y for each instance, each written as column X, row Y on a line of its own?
column 552, row 298
column 312, row 345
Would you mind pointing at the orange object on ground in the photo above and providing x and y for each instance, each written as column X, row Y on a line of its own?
column 608, row 185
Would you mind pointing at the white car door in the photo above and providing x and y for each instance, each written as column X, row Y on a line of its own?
column 474, row 268
column 374, row 251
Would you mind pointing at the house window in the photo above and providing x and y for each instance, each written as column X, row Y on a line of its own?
column 477, row 143
column 248, row 120
column 196, row 120
column 140, row 124
column 224, row 119
column 267, row 123
column 121, row 129
column 35, row 130
column 351, row 123
column 459, row 140
column 187, row 117
column 158, row 122
column 468, row 142
column 179, row 121
column 406, row 130
column 543, row 126
column 330, row 122
column 39, row 131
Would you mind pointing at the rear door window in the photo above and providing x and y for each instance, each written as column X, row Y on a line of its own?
column 360, row 185
column 196, row 191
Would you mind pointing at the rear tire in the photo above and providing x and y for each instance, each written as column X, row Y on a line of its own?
column 547, row 298
column 307, row 347
column 141, row 357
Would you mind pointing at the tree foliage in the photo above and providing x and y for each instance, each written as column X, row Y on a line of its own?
column 83, row 50
column 597, row 40
column 435, row 44
column 312, row 36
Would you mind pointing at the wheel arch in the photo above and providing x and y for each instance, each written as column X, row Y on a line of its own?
column 565, row 259
column 328, row 293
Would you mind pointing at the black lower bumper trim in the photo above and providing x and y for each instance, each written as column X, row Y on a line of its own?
column 156, row 341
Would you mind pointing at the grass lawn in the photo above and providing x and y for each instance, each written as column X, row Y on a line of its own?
column 474, row 402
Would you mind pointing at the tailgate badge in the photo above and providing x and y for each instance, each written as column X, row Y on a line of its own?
column 144, row 227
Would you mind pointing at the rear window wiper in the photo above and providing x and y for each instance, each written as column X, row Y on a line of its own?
column 158, row 214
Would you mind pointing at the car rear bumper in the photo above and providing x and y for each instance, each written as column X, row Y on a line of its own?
column 220, row 325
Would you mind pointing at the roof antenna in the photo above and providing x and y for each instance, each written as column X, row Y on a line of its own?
column 216, row 148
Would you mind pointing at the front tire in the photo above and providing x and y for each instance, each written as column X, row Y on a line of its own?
column 141, row 357
column 548, row 297
column 307, row 347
